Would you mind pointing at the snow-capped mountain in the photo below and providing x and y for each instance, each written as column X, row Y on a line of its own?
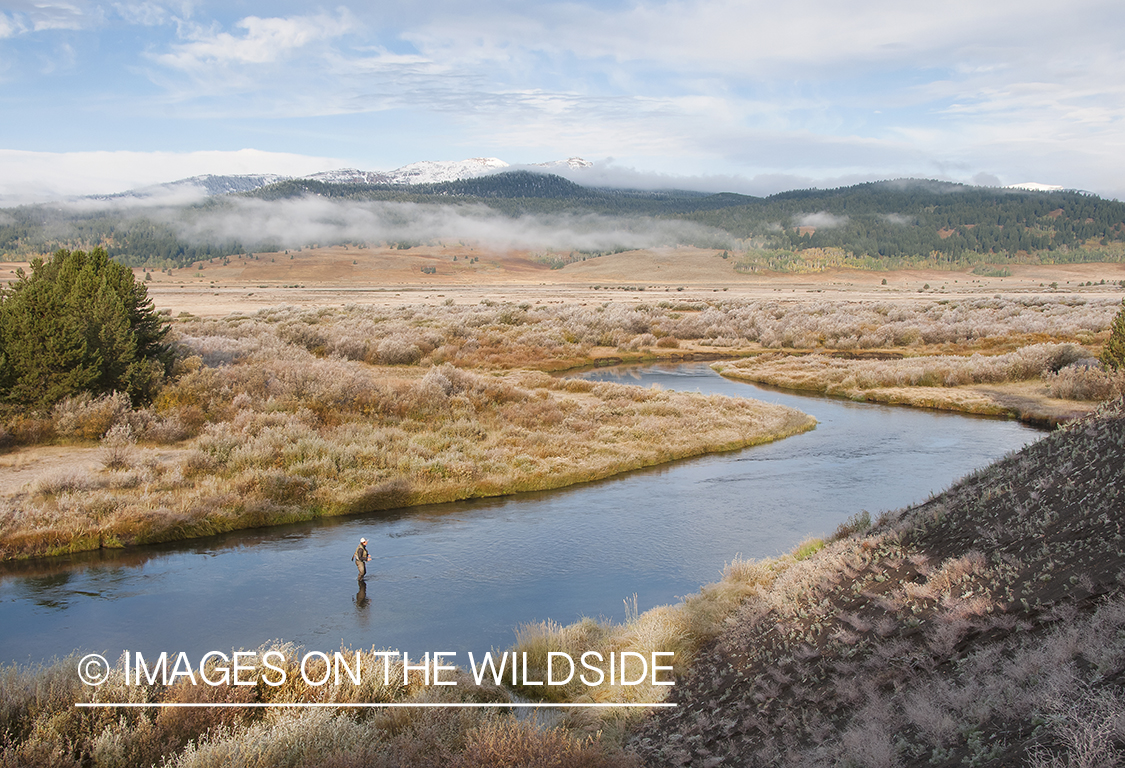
column 435, row 172
column 573, row 163
column 425, row 172
column 198, row 186
column 1035, row 186
column 350, row 176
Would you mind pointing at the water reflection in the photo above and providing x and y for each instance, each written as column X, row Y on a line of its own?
column 462, row 576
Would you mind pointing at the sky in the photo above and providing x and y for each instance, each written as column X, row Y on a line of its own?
column 719, row 95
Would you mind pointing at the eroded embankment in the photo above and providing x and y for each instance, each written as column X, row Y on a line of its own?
column 986, row 626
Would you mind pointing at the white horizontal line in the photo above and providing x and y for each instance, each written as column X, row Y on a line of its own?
column 317, row 704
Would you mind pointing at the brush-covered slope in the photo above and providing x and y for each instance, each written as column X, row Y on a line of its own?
column 984, row 627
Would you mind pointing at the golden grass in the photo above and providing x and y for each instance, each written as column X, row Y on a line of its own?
column 294, row 414
column 43, row 727
column 298, row 439
column 980, row 384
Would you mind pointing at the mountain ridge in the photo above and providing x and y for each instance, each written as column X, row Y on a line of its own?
column 412, row 174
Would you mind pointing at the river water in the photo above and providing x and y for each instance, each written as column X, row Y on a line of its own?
column 462, row 576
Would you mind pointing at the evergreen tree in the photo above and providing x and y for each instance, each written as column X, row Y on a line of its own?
column 79, row 323
column 1113, row 354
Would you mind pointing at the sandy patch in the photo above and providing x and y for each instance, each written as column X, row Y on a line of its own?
column 19, row 470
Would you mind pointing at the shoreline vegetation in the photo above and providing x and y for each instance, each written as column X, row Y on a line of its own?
column 1038, row 384
column 446, row 435
column 289, row 414
column 983, row 626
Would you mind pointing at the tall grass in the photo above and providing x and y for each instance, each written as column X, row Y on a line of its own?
column 296, row 438
column 42, row 727
column 294, row 413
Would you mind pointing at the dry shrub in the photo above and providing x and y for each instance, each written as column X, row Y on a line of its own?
column 386, row 495
column 840, row 376
column 871, row 745
column 302, row 334
column 857, row 523
column 957, row 571
column 31, row 429
column 1084, row 382
column 641, row 341
column 63, row 481
column 305, row 738
column 396, row 351
column 91, row 418
column 668, row 342
column 118, row 446
column 275, row 485
column 510, row 743
column 167, row 430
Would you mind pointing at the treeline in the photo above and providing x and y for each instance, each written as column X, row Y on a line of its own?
column 30, row 231
column 927, row 219
column 880, row 225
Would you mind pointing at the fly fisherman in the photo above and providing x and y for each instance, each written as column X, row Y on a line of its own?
column 360, row 559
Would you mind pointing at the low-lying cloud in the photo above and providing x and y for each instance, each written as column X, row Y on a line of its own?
column 299, row 222
column 821, row 220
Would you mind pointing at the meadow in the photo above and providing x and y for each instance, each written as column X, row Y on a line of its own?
column 292, row 413
column 288, row 413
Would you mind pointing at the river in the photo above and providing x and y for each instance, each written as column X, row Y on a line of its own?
column 462, row 576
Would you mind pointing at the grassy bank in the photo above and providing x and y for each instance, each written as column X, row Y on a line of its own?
column 299, row 439
column 291, row 414
column 983, row 627
column 1041, row 383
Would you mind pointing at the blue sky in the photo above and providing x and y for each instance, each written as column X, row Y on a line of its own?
column 748, row 96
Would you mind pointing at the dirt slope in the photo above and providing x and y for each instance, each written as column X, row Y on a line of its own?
column 984, row 627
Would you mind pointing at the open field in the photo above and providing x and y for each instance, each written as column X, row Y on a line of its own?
column 353, row 404
column 984, row 625
column 340, row 275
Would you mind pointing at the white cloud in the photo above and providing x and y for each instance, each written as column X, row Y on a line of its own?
column 43, row 15
column 821, row 220
column 742, row 90
column 145, row 14
column 711, row 35
column 264, row 40
column 8, row 26
column 292, row 223
column 34, row 176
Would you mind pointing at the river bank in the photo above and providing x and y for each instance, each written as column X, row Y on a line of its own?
column 462, row 575
column 1027, row 384
column 916, row 597
column 291, row 414
column 447, row 435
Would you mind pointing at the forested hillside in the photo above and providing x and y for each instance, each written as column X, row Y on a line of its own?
column 875, row 225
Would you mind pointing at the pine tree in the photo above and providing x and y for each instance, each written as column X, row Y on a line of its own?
column 1113, row 354
column 79, row 323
